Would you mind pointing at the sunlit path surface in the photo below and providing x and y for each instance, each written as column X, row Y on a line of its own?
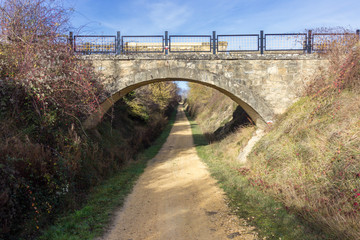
column 176, row 198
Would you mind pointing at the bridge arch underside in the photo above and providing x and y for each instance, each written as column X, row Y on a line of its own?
column 259, row 115
column 253, row 104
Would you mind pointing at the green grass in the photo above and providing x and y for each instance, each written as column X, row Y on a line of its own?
column 270, row 218
column 90, row 221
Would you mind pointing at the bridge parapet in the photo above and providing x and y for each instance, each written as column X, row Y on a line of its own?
column 263, row 85
column 202, row 56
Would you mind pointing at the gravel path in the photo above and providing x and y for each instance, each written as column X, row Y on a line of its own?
column 176, row 198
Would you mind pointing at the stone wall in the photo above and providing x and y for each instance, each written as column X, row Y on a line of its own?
column 264, row 85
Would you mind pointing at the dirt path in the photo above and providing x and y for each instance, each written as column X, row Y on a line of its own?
column 176, row 198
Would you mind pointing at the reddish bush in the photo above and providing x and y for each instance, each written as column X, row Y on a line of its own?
column 44, row 88
column 343, row 53
column 36, row 56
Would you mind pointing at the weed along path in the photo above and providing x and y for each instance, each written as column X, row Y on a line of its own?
column 176, row 198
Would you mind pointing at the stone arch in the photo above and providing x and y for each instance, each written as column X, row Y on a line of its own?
column 253, row 104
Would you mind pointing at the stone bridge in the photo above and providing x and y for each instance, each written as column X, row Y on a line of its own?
column 263, row 85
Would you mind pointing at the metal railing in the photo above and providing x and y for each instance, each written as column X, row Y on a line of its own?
column 238, row 43
column 142, row 44
column 94, row 44
column 190, row 43
column 216, row 44
column 285, row 42
column 324, row 41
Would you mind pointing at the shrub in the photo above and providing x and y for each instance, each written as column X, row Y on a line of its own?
column 343, row 53
column 37, row 58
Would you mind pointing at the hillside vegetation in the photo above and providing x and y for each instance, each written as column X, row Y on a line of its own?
column 218, row 114
column 309, row 160
column 48, row 162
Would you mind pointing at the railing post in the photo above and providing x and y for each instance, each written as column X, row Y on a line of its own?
column 309, row 43
column 118, row 46
column 262, row 42
column 166, row 42
column 214, row 42
column 71, row 40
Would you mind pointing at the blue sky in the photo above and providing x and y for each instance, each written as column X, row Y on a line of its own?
column 139, row 17
column 152, row 17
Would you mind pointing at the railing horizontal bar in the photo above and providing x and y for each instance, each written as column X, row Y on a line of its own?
column 332, row 34
column 128, row 51
column 134, row 36
column 84, row 51
column 285, row 49
column 240, row 35
column 187, row 51
column 190, row 36
column 94, row 36
column 285, row 34
column 252, row 50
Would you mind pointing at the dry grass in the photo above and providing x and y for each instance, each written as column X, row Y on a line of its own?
column 230, row 147
column 311, row 162
column 271, row 219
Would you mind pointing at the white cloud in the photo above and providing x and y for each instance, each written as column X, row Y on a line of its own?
column 168, row 15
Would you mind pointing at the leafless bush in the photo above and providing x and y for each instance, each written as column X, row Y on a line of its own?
column 35, row 58
column 341, row 47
